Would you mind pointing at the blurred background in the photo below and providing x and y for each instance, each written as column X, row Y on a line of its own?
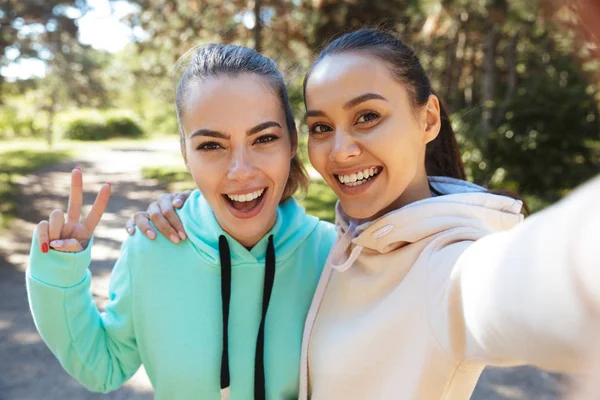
column 91, row 83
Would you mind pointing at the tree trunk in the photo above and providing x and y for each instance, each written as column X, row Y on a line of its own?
column 51, row 115
column 488, row 78
column 511, row 61
column 257, row 26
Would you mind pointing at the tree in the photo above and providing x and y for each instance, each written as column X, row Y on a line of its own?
column 34, row 29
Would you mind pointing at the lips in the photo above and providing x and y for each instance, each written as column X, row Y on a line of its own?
column 245, row 205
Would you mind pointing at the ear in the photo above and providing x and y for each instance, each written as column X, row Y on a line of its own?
column 432, row 119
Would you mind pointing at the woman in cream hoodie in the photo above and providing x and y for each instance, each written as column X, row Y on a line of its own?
column 431, row 278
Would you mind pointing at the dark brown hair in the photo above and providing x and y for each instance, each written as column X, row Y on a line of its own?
column 216, row 60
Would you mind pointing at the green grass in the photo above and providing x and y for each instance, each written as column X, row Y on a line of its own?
column 175, row 179
column 15, row 163
column 319, row 201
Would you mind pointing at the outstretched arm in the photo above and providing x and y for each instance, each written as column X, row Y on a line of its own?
column 529, row 295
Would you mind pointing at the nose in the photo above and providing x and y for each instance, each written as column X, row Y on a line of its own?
column 344, row 147
column 241, row 167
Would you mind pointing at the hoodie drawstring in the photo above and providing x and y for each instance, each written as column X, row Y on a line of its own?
column 259, row 364
column 225, row 300
column 339, row 262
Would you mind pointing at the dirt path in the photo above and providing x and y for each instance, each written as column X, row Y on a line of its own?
column 28, row 371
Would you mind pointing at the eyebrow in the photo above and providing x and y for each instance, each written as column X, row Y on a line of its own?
column 261, row 127
column 209, row 133
column 252, row 131
column 352, row 103
column 362, row 98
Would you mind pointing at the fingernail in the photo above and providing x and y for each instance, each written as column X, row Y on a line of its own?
column 77, row 167
column 181, row 235
column 44, row 247
column 150, row 234
column 108, row 183
column 174, row 238
column 57, row 243
column 177, row 202
column 129, row 230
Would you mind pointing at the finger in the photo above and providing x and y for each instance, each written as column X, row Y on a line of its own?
column 42, row 234
column 181, row 198
column 130, row 227
column 57, row 221
column 142, row 220
column 98, row 208
column 161, row 223
column 75, row 197
column 66, row 245
column 167, row 210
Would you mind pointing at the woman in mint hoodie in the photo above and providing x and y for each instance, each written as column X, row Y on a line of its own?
column 220, row 314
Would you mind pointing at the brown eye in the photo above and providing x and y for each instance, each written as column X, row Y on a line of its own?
column 266, row 139
column 320, row 129
column 209, row 146
column 367, row 117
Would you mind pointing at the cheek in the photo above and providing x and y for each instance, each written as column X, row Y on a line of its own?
column 207, row 174
column 318, row 154
column 400, row 144
column 275, row 163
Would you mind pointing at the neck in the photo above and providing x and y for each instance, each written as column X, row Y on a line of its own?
column 417, row 190
column 249, row 241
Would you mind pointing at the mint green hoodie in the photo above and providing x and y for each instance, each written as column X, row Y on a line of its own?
column 165, row 307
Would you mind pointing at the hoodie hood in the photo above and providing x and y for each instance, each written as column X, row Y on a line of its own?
column 293, row 225
column 462, row 204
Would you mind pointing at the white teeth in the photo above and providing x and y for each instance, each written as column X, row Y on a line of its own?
column 358, row 178
column 242, row 198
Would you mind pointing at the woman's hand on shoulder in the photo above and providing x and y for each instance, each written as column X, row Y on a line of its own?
column 162, row 214
column 72, row 234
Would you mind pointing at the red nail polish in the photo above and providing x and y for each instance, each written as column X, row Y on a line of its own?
column 77, row 167
column 108, row 183
column 44, row 247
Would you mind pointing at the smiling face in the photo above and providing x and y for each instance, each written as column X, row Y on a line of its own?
column 238, row 150
column 365, row 137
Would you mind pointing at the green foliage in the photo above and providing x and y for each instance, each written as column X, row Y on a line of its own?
column 544, row 143
column 94, row 125
column 320, row 200
column 16, row 163
column 14, row 124
column 123, row 126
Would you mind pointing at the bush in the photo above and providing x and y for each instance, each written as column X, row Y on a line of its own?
column 123, row 126
column 15, row 124
column 93, row 125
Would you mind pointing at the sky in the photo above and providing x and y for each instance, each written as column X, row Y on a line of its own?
column 100, row 27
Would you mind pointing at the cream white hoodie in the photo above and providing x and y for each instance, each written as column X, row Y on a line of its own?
column 414, row 305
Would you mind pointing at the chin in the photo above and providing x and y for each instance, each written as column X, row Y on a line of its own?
column 359, row 211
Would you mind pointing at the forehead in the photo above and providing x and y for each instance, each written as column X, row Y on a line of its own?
column 230, row 102
column 345, row 76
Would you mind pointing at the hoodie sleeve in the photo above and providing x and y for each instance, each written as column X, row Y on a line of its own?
column 98, row 349
column 529, row 295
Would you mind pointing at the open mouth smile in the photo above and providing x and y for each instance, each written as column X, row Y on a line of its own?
column 246, row 205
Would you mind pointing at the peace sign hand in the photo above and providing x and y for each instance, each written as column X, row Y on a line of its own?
column 73, row 235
